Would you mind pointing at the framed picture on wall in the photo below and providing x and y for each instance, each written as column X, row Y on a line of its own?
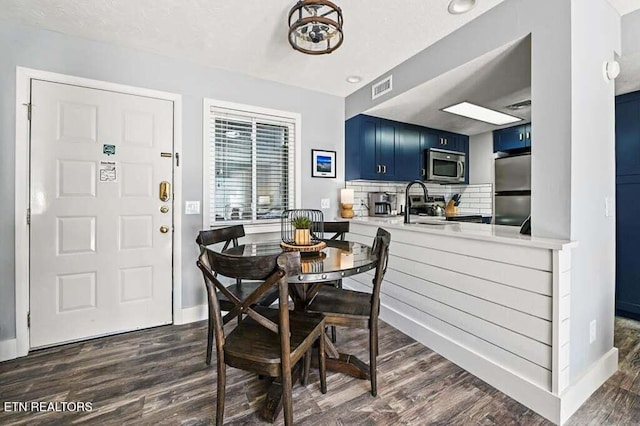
column 323, row 163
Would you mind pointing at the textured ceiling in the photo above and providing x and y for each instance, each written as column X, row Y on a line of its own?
column 497, row 79
column 250, row 36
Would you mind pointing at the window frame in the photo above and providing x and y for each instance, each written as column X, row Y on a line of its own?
column 253, row 226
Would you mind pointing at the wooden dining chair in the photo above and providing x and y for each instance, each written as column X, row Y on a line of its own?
column 229, row 236
column 267, row 341
column 355, row 309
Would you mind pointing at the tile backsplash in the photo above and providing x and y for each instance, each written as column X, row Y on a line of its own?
column 474, row 199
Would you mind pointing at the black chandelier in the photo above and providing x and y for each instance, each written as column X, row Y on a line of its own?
column 315, row 27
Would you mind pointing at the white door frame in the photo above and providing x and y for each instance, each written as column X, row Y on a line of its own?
column 22, row 196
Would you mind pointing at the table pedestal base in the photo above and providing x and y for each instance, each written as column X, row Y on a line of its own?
column 344, row 363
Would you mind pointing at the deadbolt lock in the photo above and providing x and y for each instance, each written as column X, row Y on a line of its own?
column 164, row 229
column 164, row 209
column 165, row 191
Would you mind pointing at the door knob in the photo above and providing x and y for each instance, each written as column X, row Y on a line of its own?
column 165, row 191
column 164, row 229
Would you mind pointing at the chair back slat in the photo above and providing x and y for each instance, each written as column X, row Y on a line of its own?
column 243, row 267
column 339, row 229
column 381, row 250
column 229, row 235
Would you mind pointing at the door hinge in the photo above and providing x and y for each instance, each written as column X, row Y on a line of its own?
column 28, row 110
column 28, row 319
column 29, row 216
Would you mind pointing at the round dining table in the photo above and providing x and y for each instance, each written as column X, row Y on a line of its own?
column 338, row 260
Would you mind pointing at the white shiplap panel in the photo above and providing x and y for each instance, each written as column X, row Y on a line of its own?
column 532, row 327
column 532, row 372
column 530, row 257
column 513, row 275
column 513, row 342
column 532, row 303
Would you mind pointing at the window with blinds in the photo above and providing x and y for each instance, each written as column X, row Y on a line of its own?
column 251, row 166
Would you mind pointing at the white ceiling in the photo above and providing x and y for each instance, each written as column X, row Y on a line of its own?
column 497, row 79
column 250, row 36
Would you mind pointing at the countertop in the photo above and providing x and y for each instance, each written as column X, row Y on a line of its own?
column 475, row 231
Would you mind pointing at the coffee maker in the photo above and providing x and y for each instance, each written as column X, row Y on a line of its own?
column 382, row 204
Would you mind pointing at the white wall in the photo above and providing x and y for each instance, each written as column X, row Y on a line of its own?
column 322, row 127
column 592, row 179
column 481, row 158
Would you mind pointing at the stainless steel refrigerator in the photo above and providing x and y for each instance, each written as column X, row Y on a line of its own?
column 512, row 189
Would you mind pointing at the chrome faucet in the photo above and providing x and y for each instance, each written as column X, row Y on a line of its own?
column 407, row 200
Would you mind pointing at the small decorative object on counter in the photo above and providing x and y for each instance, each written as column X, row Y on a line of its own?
column 346, row 200
column 301, row 230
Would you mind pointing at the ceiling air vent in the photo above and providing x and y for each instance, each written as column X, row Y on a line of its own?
column 519, row 105
column 382, row 87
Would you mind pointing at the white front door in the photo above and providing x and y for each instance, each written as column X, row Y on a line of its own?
column 100, row 236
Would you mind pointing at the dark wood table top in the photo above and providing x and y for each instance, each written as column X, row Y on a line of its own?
column 338, row 260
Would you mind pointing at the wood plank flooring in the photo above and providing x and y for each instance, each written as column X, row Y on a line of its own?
column 159, row 377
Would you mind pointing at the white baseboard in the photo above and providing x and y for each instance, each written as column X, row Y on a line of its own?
column 8, row 349
column 193, row 314
column 575, row 395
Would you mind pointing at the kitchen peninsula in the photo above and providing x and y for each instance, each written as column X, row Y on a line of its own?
column 493, row 301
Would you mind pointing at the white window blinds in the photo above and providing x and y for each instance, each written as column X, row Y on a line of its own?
column 251, row 166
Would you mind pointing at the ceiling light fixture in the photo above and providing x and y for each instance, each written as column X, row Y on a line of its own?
column 477, row 112
column 354, row 79
column 315, row 27
column 457, row 7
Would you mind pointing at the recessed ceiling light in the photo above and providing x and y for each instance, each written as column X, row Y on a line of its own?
column 354, row 79
column 476, row 112
column 456, row 7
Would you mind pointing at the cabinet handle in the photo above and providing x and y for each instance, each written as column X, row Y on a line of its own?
column 528, row 135
column 424, row 172
column 378, row 169
column 384, row 169
column 444, row 141
column 521, row 136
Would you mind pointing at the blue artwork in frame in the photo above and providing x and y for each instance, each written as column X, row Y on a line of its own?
column 323, row 163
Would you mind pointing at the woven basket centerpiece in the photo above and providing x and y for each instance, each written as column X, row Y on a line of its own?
column 302, row 229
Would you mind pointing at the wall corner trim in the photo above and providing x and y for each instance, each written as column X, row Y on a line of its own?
column 193, row 314
column 8, row 349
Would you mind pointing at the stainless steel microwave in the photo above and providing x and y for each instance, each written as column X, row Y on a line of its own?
column 444, row 166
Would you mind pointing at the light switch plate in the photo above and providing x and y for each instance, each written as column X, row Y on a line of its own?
column 325, row 203
column 609, row 207
column 192, row 207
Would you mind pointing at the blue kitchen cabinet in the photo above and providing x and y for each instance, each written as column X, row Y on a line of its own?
column 380, row 149
column 370, row 148
column 627, row 237
column 628, row 134
column 512, row 138
column 409, row 153
column 627, row 209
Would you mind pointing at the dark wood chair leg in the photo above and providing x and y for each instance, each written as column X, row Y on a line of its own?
column 322, row 366
column 209, row 341
column 222, row 382
column 287, row 396
column 304, row 380
column 373, row 362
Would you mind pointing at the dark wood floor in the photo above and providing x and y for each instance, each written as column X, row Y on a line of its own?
column 158, row 376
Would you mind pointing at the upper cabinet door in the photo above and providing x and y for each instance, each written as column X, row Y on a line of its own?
column 386, row 148
column 628, row 138
column 408, row 153
column 527, row 135
column 369, row 165
column 510, row 138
